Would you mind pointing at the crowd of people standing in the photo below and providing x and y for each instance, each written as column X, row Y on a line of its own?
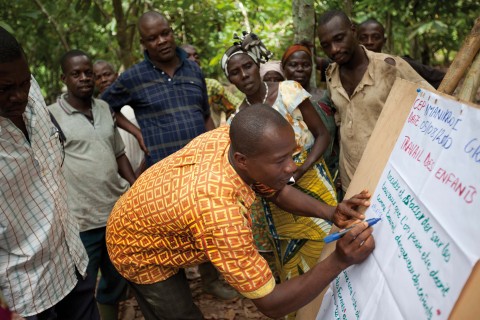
column 166, row 170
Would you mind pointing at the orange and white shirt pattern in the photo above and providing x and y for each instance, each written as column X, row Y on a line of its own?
column 189, row 208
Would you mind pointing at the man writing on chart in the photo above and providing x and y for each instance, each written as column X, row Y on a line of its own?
column 168, row 94
column 194, row 206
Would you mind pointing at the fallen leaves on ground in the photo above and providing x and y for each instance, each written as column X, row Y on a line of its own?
column 212, row 308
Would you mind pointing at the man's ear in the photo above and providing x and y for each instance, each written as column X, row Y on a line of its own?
column 62, row 77
column 240, row 161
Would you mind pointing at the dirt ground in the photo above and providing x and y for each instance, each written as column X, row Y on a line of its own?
column 212, row 308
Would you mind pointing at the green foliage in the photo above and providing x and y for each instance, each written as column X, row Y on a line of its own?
column 47, row 28
column 422, row 28
column 210, row 25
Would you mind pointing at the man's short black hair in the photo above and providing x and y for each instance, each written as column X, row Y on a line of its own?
column 187, row 45
column 149, row 15
column 105, row 62
column 70, row 54
column 373, row 21
column 330, row 14
column 249, row 125
column 10, row 49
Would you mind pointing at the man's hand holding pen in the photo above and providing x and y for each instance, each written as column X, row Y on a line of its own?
column 357, row 244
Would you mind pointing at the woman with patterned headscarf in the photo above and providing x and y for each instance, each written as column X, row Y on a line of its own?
column 297, row 240
column 297, row 65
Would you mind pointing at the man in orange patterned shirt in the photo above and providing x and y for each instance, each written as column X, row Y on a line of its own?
column 194, row 205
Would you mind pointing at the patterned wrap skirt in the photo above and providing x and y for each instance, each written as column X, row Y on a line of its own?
column 296, row 241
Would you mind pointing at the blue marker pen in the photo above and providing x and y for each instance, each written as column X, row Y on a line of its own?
column 337, row 235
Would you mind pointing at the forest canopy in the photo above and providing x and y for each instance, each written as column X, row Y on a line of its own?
column 430, row 31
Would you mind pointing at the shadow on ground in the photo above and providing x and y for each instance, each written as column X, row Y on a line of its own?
column 212, row 308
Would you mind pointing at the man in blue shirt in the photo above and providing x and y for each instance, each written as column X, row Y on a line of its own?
column 166, row 90
column 168, row 94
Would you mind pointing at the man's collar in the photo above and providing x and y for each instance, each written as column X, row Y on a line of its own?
column 368, row 53
column 182, row 54
column 62, row 102
column 179, row 52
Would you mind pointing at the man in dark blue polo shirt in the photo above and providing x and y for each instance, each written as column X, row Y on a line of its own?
column 166, row 91
column 169, row 97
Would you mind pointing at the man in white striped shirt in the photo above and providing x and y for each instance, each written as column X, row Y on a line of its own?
column 42, row 260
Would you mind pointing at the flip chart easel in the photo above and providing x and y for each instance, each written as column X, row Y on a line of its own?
column 389, row 125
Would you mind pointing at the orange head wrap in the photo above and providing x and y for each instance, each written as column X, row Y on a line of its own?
column 292, row 49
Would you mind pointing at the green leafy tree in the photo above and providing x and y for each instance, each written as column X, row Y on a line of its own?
column 428, row 30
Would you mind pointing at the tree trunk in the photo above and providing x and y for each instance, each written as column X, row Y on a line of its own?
column 389, row 33
column 348, row 5
column 124, row 34
column 303, row 12
column 469, row 49
column 245, row 15
column 425, row 52
column 56, row 26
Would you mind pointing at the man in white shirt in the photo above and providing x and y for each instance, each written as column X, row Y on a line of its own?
column 42, row 260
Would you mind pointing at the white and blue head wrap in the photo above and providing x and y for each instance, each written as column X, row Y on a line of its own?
column 250, row 44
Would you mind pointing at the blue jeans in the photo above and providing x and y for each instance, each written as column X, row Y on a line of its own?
column 112, row 286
